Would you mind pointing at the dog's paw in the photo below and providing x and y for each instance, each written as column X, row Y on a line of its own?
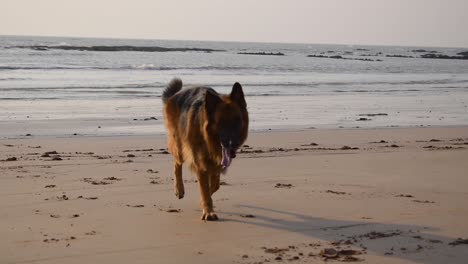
column 179, row 191
column 209, row 217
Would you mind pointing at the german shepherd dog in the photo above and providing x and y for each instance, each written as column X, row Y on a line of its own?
column 205, row 129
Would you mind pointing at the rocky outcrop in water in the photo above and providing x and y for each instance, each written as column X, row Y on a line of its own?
column 464, row 56
column 115, row 48
column 262, row 53
column 424, row 51
column 340, row 58
column 398, row 56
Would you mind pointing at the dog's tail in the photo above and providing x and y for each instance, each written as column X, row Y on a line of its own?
column 172, row 88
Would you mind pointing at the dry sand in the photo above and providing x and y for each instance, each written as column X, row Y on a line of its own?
column 110, row 200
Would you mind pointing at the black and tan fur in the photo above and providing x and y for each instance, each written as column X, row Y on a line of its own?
column 202, row 126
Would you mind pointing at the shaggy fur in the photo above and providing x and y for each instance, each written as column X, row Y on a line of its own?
column 204, row 129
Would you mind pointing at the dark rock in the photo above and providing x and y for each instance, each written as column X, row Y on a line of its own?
column 262, row 53
column 459, row 241
column 363, row 119
column 463, row 53
column 378, row 114
column 398, row 56
column 445, row 57
column 117, row 48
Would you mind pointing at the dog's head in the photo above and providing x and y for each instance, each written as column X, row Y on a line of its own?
column 228, row 121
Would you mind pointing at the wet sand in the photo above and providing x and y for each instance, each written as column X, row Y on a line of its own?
column 395, row 195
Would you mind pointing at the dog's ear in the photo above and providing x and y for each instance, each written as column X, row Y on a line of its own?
column 211, row 102
column 237, row 95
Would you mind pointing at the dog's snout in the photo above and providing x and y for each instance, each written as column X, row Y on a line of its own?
column 230, row 143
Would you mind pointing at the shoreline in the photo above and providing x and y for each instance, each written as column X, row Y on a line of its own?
column 151, row 133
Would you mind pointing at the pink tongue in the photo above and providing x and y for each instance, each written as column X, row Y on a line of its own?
column 226, row 160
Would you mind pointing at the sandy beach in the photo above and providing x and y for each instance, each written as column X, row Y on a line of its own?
column 395, row 195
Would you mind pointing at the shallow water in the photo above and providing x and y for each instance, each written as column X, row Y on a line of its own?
column 87, row 89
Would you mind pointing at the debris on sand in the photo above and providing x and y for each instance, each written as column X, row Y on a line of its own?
column 64, row 197
column 312, row 144
column 377, row 235
column 423, row 201
column 87, row 198
column 91, row 233
column 275, row 250
column 342, row 242
column 48, row 153
column 112, row 179
column 283, row 185
column 345, row 255
column 248, row 216
column 105, row 181
column 335, row 192
column 95, row 182
column 405, row 195
column 376, row 142
column 348, row 148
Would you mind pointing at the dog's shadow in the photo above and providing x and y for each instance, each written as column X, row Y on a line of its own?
column 410, row 242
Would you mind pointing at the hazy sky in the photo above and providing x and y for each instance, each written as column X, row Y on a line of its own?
column 382, row 22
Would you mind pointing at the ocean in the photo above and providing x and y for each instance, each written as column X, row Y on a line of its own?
column 61, row 86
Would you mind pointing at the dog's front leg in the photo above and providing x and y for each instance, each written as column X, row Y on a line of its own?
column 214, row 183
column 206, row 202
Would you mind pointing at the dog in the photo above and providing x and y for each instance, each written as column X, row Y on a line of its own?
column 204, row 129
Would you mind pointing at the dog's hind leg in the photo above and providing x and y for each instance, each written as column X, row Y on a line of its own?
column 206, row 201
column 178, row 182
column 175, row 149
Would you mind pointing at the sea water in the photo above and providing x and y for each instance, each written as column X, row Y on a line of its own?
column 51, row 91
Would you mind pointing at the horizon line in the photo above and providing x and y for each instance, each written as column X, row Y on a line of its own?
column 232, row 41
